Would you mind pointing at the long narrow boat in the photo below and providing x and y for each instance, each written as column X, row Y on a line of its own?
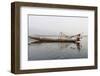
column 43, row 39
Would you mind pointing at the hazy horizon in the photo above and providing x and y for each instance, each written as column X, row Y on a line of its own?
column 52, row 25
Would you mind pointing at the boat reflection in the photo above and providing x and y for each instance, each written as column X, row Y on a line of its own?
column 61, row 45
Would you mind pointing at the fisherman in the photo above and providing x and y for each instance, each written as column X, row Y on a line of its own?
column 78, row 38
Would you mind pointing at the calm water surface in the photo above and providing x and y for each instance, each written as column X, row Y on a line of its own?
column 52, row 51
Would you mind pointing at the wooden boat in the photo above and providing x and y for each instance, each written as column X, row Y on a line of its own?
column 40, row 39
column 61, row 38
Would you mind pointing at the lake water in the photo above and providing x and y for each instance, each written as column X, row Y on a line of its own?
column 52, row 51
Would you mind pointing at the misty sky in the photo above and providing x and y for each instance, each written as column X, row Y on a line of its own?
column 52, row 25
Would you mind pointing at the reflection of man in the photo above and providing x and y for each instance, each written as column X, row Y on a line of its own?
column 78, row 46
column 78, row 41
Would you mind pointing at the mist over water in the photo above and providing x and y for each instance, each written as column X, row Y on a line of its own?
column 52, row 51
column 53, row 25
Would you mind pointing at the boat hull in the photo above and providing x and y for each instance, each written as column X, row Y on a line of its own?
column 52, row 40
